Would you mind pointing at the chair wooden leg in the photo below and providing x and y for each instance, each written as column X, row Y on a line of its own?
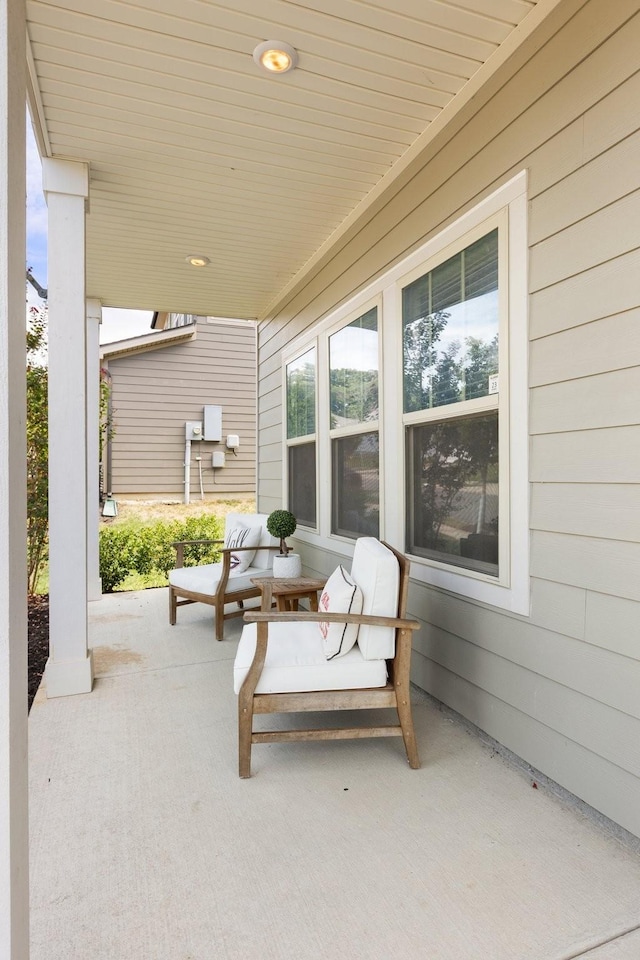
column 406, row 722
column 219, row 608
column 172, row 607
column 245, row 728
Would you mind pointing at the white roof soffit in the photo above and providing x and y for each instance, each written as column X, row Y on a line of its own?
column 194, row 150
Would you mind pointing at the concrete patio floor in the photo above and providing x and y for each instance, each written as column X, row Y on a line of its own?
column 146, row 845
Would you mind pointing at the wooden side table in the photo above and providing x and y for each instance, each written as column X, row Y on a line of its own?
column 287, row 591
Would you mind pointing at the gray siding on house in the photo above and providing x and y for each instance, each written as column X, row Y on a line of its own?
column 559, row 688
column 157, row 391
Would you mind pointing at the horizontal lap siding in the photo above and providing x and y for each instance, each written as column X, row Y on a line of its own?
column 559, row 687
column 156, row 392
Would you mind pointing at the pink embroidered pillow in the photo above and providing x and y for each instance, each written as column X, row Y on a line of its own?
column 339, row 595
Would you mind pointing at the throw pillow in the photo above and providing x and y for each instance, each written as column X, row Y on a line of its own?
column 339, row 595
column 242, row 537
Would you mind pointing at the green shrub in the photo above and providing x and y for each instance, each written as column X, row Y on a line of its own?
column 116, row 556
column 145, row 548
column 200, row 528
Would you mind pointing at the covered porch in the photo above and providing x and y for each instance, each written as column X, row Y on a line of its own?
column 182, row 176
column 145, row 843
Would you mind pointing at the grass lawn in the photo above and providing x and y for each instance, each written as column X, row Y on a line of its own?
column 146, row 511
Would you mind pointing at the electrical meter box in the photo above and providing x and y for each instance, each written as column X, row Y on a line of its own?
column 212, row 422
column 193, row 429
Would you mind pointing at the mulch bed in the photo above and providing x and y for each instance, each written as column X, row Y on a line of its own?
column 38, row 613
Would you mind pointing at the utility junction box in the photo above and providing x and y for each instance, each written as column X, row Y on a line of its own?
column 212, row 422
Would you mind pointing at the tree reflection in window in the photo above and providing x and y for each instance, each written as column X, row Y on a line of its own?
column 301, row 395
column 353, row 366
column 453, row 471
column 356, row 485
column 450, row 328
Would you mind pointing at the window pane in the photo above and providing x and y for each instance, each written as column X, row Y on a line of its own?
column 302, row 483
column 450, row 328
column 301, row 395
column 356, row 486
column 353, row 362
column 452, row 494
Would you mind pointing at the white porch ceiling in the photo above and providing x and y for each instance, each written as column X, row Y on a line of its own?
column 192, row 149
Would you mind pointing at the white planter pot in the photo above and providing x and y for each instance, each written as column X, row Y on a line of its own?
column 287, row 567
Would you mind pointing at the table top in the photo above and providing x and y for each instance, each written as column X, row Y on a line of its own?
column 283, row 585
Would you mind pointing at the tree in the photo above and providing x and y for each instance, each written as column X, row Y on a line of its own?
column 106, row 426
column 37, row 445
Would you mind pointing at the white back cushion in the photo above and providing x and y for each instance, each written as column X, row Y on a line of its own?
column 263, row 559
column 375, row 569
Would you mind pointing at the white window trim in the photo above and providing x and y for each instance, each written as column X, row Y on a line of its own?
column 514, row 592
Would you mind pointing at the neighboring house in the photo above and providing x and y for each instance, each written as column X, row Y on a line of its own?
column 162, row 381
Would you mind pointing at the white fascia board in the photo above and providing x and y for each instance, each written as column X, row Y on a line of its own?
column 148, row 341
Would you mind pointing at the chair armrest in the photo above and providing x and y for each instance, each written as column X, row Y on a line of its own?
column 275, row 549
column 176, row 543
column 227, row 553
column 302, row 616
column 179, row 546
column 225, row 550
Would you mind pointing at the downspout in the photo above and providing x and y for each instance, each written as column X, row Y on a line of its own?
column 187, row 469
column 109, row 438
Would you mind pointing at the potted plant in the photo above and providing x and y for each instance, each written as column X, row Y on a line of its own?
column 281, row 524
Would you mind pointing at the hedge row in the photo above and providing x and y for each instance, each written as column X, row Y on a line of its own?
column 145, row 548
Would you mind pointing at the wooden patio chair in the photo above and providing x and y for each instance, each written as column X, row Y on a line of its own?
column 247, row 551
column 294, row 662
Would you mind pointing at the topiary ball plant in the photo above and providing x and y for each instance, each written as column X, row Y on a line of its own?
column 281, row 524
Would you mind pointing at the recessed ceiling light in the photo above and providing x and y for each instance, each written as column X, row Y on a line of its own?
column 275, row 56
column 198, row 261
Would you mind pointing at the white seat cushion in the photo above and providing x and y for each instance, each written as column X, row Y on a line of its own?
column 376, row 571
column 296, row 662
column 205, row 578
column 339, row 595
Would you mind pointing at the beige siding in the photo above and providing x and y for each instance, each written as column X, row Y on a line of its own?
column 587, row 456
column 156, row 392
column 559, row 687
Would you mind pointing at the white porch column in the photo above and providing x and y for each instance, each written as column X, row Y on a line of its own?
column 94, row 319
column 14, row 861
column 69, row 668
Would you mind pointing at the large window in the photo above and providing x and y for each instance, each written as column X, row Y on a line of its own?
column 409, row 404
column 353, row 402
column 301, row 437
column 450, row 323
